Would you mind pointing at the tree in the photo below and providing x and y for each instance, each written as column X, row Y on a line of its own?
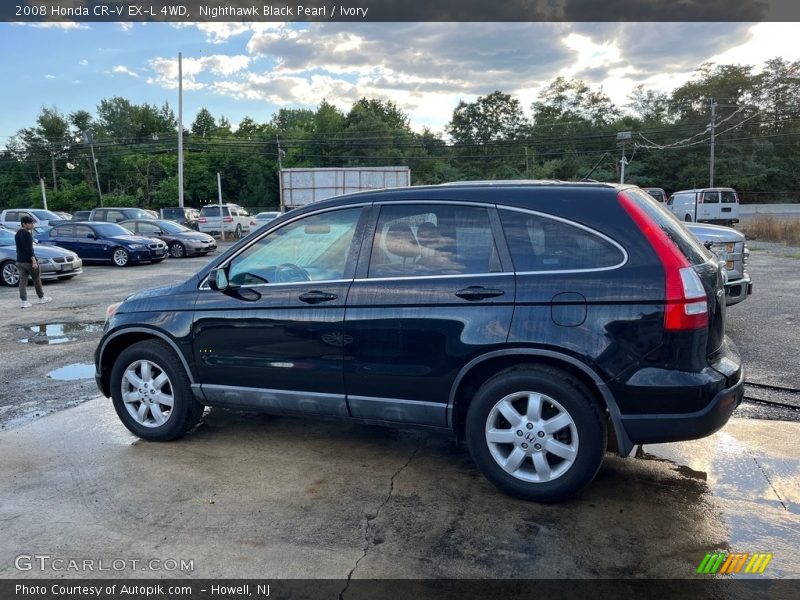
column 204, row 124
column 497, row 116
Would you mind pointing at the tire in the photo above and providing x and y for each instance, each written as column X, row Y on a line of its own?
column 177, row 250
column 535, row 471
column 161, row 381
column 120, row 257
column 66, row 277
column 688, row 218
column 157, row 260
column 238, row 232
column 9, row 274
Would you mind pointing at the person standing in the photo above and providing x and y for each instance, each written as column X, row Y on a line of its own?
column 27, row 265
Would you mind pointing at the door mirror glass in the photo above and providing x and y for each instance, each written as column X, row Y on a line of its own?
column 218, row 279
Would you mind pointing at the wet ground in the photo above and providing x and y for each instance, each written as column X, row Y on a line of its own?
column 248, row 495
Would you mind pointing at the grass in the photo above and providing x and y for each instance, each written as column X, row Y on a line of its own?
column 770, row 229
column 796, row 255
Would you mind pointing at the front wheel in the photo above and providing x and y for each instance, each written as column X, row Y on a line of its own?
column 177, row 250
column 238, row 233
column 10, row 273
column 121, row 257
column 536, row 433
column 688, row 218
column 152, row 394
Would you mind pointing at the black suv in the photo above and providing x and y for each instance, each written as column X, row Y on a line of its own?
column 188, row 217
column 527, row 318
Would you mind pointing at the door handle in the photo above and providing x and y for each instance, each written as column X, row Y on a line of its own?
column 478, row 292
column 315, row 297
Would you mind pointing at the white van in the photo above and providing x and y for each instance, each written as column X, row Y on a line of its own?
column 706, row 205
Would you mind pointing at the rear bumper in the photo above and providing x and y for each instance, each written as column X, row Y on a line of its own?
column 651, row 429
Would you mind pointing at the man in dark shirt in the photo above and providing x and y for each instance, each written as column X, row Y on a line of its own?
column 27, row 265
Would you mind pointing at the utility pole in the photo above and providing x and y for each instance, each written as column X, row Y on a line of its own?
column 281, row 154
column 623, row 136
column 87, row 137
column 180, row 130
column 44, row 194
column 713, row 125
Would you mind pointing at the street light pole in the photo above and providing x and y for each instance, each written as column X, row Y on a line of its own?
column 623, row 136
column 180, row 130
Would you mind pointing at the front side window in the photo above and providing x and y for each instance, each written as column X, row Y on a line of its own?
column 314, row 248
column 64, row 231
column 147, row 228
column 83, row 231
column 429, row 239
column 539, row 243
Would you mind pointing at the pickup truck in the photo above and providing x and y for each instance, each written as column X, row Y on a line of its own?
column 10, row 217
column 731, row 249
column 234, row 219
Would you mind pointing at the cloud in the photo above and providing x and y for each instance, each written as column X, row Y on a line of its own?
column 48, row 76
column 83, row 62
column 65, row 25
column 120, row 69
column 166, row 69
column 125, row 26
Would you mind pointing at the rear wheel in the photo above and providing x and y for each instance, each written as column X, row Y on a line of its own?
column 10, row 273
column 152, row 394
column 688, row 218
column 238, row 233
column 536, row 433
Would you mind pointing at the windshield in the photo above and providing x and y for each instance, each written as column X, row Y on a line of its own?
column 110, row 229
column 45, row 215
column 172, row 227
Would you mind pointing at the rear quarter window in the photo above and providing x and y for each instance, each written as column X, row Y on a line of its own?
column 541, row 243
column 213, row 211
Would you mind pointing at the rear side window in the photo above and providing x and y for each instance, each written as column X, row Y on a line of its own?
column 540, row 243
column 729, row 197
column 711, row 197
column 63, row 231
column 430, row 239
column 689, row 246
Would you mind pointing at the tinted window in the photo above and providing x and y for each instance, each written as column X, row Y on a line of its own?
column 538, row 243
column 115, row 215
column 419, row 240
column 148, row 228
column 63, row 231
column 314, row 248
column 213, row 211
column 728, row 197
column 45, row 215
column 12, row 216
column 171, row 227
column 711, row 197
column 109, row 229
column 83, row 231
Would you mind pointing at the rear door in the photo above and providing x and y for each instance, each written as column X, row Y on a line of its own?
column 708, row 205
column 432, row 292
column 729, row 205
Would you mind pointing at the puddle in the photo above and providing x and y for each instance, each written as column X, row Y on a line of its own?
column 56, row 333
column 73, row 371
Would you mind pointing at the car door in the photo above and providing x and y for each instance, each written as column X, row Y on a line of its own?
column 88, row 244
column 62, row 236
column 274, row 339
column 434, row 289
column 150, row 230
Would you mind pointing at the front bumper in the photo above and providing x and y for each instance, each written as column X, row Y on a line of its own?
column 736, row 291
column 53, row 270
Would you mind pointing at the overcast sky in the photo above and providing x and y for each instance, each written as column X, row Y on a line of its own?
column 239, row 70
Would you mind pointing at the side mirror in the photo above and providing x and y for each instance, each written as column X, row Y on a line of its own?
column 218, row 280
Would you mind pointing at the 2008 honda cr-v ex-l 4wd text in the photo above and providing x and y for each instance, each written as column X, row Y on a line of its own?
column 529, row 318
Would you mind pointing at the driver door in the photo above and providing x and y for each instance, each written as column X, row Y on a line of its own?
column 274, row 339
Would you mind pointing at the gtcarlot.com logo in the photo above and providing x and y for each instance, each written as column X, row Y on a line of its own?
column 45, row 562
column 729, row 563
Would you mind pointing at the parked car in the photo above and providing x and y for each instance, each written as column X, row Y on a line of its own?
column 81, row 215
column 187, row 217
column 104, row 242
column 181, row 241
column 64, row 215
column 526, row 318
column 730, row 246
column 706, row 205
column 10, row 217
column 115, row 214
column 54, row 263
column 234, row 219
column 657, row 193
column 263, row 218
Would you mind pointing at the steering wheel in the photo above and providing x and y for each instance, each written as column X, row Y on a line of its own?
column 289, row 272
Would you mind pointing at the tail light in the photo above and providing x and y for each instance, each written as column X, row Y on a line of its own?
column 253, row 223
column 202, row 220
column 686, row 305
column 228, row 219
column 700, row 198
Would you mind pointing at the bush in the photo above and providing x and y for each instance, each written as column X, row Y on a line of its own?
column 768, row 228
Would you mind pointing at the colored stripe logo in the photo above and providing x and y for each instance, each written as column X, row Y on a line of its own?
column 728, row 564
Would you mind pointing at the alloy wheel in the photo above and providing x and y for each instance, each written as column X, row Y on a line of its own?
column 147, row 393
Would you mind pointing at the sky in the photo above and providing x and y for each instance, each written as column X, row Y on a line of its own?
column 254, row 69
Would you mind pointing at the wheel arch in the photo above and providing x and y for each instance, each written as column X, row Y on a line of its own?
column 118, row 341
column 481, row 368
